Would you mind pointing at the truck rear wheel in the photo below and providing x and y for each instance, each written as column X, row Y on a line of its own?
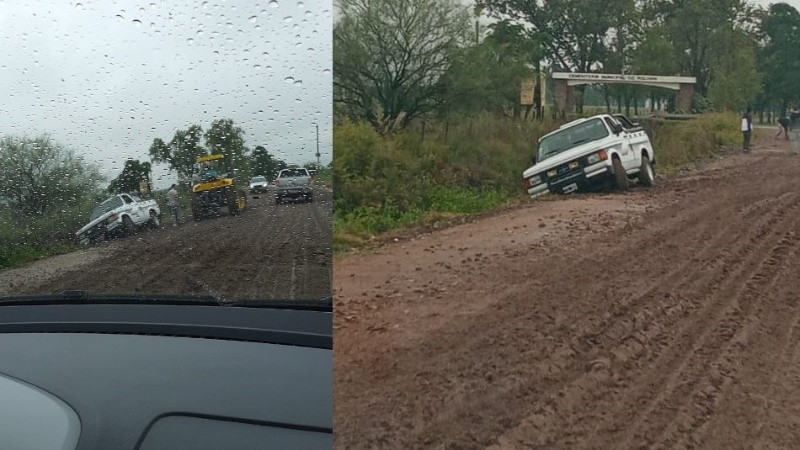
column 647, row 176
column 197, row 208
column 620, row 177
column 232, row 201
column 127, row 226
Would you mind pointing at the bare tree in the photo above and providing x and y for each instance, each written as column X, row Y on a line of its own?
column 388, row 56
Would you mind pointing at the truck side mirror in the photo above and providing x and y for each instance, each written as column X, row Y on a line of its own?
column 533, row 160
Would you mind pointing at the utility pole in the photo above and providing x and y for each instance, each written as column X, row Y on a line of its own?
column 317, row 126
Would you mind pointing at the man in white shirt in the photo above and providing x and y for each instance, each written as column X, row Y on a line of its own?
column 747, row 128
column 172, row 201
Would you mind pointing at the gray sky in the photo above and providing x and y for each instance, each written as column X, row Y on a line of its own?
column 106, row 78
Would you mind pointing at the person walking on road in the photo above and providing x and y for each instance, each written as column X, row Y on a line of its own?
column 784, row 127
column 747, row 128
column 174, row 206
column 794, row 130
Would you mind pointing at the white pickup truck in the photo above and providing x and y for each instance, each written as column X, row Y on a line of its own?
column 120, row 215
column 294, row 182
column 591, row 153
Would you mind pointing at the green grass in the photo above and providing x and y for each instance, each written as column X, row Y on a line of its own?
column 682, row 144
column 23, row 255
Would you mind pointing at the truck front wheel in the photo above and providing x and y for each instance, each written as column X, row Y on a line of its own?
column 647, row 176
column 620, row 177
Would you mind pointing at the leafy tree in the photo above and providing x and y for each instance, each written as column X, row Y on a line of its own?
column 265, row 164
column 779, row 59
column 576, row 32
column 486, row 77
column 655, row 55
column 694, row 27
column 133, row 172
column 227, row 139
column 41, row 176
column 735, row 80
column 182, row 151
column 389, row 57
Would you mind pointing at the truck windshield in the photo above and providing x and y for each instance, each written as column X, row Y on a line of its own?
column 106, row 206
column 258, row 180
column 590, row 130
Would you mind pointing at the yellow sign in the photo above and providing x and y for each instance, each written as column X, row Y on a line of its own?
column 526, row 91
column 144, row 186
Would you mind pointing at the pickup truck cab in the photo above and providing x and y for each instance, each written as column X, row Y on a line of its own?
column 294, row 183
column 119, row 215
column 591, row 153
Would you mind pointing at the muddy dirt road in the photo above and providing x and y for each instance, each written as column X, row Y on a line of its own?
column 269, row 251
column 662, row 318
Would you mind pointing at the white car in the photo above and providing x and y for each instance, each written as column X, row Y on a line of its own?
column 119, row 215
column 258, row 184
column 591, row 153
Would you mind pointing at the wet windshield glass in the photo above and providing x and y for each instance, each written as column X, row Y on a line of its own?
column 117, row 108
column 590, row 130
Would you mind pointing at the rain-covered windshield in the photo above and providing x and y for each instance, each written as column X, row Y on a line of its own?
column 105, row 98
column 590, row 130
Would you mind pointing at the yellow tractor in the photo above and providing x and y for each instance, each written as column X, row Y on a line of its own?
column 212, row 191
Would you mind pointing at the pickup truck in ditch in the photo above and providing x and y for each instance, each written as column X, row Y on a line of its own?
column 590, row 154
column 119, row 215
column 294, row 183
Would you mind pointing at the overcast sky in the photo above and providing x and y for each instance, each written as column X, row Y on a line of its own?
column 106, row 78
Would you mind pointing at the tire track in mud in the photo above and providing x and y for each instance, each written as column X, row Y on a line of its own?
column 689, row 427
column 557, row 360
column 728, row 311
column 629, row 334
column 249, row 256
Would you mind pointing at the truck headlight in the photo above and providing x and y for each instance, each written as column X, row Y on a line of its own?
column 597, row 157
column 534, row 180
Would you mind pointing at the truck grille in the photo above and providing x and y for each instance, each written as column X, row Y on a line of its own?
column 564, row 173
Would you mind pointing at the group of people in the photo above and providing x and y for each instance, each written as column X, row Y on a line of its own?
column 789, row 128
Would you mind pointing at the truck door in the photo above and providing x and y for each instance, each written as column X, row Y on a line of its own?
column 637, row 135
column 134, row 209
column 627, row 155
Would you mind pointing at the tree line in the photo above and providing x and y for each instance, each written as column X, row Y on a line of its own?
column 395, row 62
column 181, row 152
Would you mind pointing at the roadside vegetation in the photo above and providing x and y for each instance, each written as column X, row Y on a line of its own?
column 428, row 121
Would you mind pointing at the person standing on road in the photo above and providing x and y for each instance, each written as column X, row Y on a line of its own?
column 747, row 128
column 794, row 130
column 172, row 201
